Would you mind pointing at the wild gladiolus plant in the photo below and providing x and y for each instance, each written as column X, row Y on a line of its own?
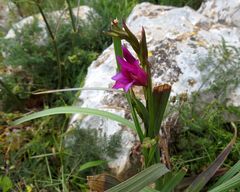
column 137, row 72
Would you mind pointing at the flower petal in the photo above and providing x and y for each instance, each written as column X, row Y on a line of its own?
column 128, row 56
column 118, row 85
column 118, row 76
column 141, row 76
column 130, row 72
column 128, row 86
column 125, row 66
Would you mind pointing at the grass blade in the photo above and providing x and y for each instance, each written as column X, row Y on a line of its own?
column 233, row 171
column 230, row 184
column 141, row 180
column 141, row 110
column 160, row 98
column 174, row 181
column 149, row 189
column 76, row 89
column 72, row 110
column 91, row 164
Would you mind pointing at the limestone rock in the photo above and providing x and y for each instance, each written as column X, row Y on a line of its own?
column 81, row 13
column 178, row 39
column 224, row 11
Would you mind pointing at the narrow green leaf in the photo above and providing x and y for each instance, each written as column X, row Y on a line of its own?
column 141, row 180
column 91, row 164
column 151, row 154
column 117, row 49
column 149, row 189
column 73, row 19
column 135, row 118
column 112, row 34
column 160, row 98
column 205, row 176
column 121, row 34
column 231, row 172
column 142, row 111
column 72, row 110
column 174, row 181
column 43, row 155
column 76, row 89
column 232, row 183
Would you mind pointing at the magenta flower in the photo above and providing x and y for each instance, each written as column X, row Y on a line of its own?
column 130, row 72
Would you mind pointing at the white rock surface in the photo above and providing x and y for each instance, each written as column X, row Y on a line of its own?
column 80, row 12
column 222, row 11
column 178, row 38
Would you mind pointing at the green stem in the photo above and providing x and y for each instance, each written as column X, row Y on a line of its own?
column 54, row 45
column 71, row 16
column 118, row 50
column 150, row 103
column 48, row 169
column 135, row 118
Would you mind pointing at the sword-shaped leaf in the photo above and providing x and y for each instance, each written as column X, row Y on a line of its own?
column 141, row 180
column 160, row 99
column 72, row 110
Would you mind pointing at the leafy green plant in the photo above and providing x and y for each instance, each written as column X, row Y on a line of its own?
column 5, row 183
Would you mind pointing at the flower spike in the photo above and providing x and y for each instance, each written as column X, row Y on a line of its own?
column 130, row 72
